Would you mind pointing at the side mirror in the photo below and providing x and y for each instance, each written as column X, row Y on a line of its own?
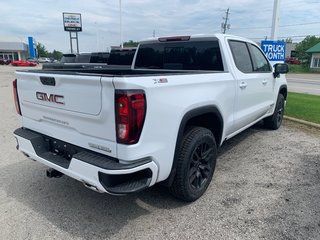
column 280, row 68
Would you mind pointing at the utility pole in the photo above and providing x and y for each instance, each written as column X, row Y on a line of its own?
column 225, row 24
column 121, row 41
column 275, row 20
column 154, row 33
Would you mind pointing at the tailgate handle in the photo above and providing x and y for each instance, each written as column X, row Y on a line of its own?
column 50, row 81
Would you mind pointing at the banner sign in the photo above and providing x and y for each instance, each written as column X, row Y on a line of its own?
column 274, row 50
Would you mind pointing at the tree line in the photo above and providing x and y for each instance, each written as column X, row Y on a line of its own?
column 304, row 45
column 43, row 52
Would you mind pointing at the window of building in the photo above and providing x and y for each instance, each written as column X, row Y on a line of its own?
column 316, row 63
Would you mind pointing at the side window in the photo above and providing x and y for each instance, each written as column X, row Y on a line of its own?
column 260, row 63
column 241, row 56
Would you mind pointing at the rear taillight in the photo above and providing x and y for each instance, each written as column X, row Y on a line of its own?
column 15, row 96
column 130, row 106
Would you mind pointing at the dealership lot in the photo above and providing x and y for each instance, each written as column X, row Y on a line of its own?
column 266, row 186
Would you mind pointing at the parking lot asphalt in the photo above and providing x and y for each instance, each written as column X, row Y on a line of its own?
column 266, row 186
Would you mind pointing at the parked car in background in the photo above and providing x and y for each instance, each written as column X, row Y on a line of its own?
column 82, row 58
column 52, row 60
column 293, row 61
column 118, row 58
column 5, row 61
column 121, row 56
column 94, row 57
column 35, row 60
column 21, row 63
column 44, row 60
column 68, row 58
column 100, row 57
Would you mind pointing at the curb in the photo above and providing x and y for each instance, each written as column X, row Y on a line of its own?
column 310, row 124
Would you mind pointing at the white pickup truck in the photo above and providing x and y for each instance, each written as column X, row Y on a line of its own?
column 123, row 130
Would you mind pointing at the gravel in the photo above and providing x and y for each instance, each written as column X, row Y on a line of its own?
column 266, row 186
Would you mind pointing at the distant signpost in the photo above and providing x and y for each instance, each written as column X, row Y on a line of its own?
column 72, row 23
column 274, row 50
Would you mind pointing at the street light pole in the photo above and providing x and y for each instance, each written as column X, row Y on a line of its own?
column 121, row 41
column 275, row 20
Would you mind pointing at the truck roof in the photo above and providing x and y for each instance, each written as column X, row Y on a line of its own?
column 193, row 37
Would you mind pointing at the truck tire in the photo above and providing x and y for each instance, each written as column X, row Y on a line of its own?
column 196, row 161
column 274, row 121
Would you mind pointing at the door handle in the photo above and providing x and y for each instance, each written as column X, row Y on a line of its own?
column 264, row 82
column 243, row 85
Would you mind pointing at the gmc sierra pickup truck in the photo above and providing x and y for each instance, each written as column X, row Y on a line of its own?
column 120, row 131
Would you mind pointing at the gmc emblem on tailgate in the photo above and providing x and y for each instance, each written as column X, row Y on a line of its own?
column 50, row 98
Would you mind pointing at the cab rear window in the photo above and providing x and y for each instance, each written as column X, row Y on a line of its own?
column 193, row 55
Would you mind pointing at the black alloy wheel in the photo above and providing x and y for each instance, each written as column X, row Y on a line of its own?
column 200, row 165
column 195, row 164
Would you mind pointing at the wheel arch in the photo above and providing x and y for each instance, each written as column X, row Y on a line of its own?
column 206, row 116
column 284, row 91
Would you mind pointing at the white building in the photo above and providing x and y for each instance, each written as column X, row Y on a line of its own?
column 13, row 48
column 315, row 57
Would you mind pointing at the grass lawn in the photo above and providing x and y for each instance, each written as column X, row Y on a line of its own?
column 303, row 106
column 299, row 68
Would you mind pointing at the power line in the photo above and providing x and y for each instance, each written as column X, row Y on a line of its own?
column 252, row 28
column 295, row 36
column 290, row 25
column 301, row 36
column 300, row 24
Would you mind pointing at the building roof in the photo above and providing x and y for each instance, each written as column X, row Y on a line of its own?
column 314, row 49
column 13, row 46
column 10, row 39
column 8, row 43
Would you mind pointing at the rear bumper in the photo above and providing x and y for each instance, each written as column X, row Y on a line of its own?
column 98, row 172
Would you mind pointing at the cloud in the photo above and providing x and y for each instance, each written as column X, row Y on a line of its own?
column 249, row 18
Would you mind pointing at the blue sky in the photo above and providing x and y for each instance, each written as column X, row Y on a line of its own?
column 100, row 18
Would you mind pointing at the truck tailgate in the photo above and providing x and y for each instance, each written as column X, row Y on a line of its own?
column 70, row 107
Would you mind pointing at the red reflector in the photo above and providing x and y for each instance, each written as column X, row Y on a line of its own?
column 130, row 109
column 123, row 106
column 16, row 97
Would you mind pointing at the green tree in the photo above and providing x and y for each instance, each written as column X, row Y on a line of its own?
column 42, row 51
column 304, row 45
column 55, row 54
column 289, row 40
column 130, row 43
